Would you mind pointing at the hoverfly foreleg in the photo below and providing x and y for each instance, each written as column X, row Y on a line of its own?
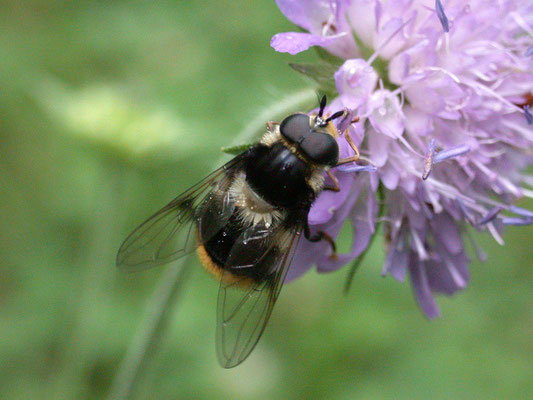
column 335, row 187
column 318, row 236
column 271, row 125
column 352, row 145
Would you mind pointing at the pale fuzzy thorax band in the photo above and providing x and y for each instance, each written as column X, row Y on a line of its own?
column 252, row 208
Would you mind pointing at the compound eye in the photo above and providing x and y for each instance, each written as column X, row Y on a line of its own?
column 321, row 148
column 295, row 127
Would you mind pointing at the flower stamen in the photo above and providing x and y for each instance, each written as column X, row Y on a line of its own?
column 517, row 221
column 431, row 158
column 494, row 232
column 428, row 161
column 466, row 214
column 480, row 254
column 451, row 153
column 489, row 216
column 528, row 115
column 522, row 23
column 356, row 168
column 521, row 211
column 373, row 57
column 439, row 9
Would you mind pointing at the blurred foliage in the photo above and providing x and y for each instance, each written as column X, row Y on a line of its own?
column 110, row 109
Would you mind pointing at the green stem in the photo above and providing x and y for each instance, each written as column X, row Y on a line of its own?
column 355, row 266
column 71, row 362
column 145, row 341
column 296, row 102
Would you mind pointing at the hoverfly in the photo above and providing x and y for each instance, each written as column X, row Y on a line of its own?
column 245, row 220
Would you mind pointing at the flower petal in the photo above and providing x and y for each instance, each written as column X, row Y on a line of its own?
column 307, row 254
column 446, row 232
column 448, row 274
column 386, row 114
column 355, row 80
column 378, row 146
column 396, row 263
column 310, row 14
column 296, row 42
column 328, row 201
column 363, row 219
column 421, row 289
column 390, row 176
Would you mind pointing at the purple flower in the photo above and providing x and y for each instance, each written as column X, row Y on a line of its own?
column 358, row 79
column 443, row 92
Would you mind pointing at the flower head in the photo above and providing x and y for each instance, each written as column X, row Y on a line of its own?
column 443, row 90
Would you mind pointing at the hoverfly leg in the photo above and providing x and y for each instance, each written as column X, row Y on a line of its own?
column 348, row 160
column 321, row 235
column 335, row 187
column 271, row 125
column 352, row 145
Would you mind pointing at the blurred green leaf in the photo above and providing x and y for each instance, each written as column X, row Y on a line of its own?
column 320, row 72
column 235, row 150
column 328, row 58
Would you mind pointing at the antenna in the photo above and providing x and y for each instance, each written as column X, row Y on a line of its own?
column 335, row 116
column 323, row 102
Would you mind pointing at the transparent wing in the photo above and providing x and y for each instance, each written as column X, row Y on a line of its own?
column 171, row 232
column 245, row 304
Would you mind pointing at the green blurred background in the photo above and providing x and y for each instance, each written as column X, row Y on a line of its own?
column 110, row 109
